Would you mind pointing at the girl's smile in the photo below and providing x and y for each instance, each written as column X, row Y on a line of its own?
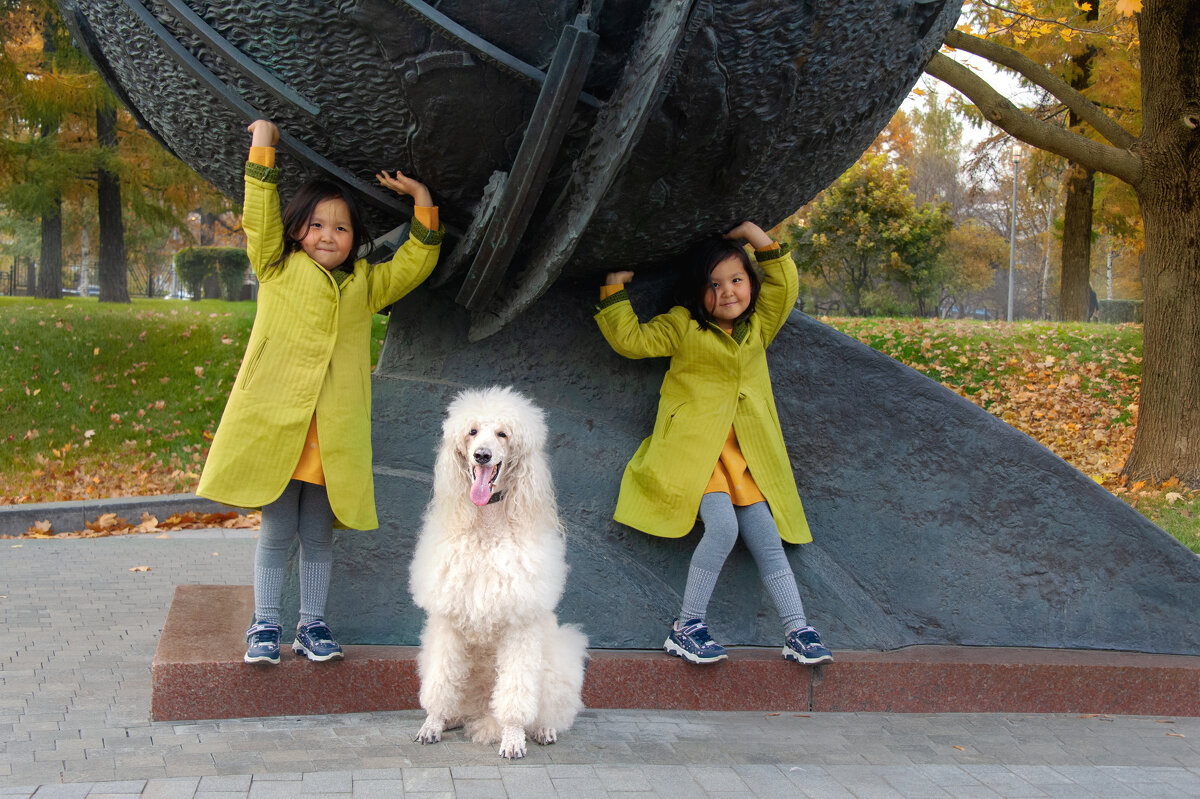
column 730, row 292
column 330, row 234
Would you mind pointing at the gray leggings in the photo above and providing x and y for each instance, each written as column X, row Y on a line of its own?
column 723, row 523
column 302, row 510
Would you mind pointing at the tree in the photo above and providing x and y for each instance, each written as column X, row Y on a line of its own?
column 68, row 151
column 1162, row 165
column 114, row 284
column 977, row 253
column 1096, row 58
column 865, row 238
column 41, row 86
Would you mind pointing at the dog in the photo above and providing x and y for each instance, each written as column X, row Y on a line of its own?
column 488, row 570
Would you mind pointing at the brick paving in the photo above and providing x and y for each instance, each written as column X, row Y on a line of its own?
column 79, row 630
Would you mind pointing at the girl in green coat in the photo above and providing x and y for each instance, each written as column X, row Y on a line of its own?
column 717, row 448
column 295, row 437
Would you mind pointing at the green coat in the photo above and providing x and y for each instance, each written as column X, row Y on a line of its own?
column 714, row 381
column 309, row 350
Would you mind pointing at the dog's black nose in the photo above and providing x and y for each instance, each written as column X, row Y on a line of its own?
column 482, row 455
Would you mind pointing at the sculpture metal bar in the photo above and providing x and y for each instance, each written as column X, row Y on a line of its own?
column 539, row 149
column 481, row 47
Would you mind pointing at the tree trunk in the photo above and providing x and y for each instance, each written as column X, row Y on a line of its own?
column 1074, row 280
column 1077, row 244
column 49, row 279
column 1167, row 443
column 30, row 277
column 114, row 286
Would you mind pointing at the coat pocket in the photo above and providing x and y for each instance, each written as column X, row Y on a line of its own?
column 669, row 418
column 250, row 365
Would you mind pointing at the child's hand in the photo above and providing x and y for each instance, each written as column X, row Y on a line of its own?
column 618, row 278
column 263, row 133
column 402, row 184
column 752, row 233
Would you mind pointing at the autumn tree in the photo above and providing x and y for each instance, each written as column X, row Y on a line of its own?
column 1161, row 162
column 1092, row 57
column 869, row 243
column 66, row 144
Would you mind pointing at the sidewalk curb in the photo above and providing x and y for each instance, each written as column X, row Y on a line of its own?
column 68, row 516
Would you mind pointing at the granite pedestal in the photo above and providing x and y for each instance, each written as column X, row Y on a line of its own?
column 198, row 673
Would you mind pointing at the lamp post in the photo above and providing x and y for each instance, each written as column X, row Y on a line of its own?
column 1012, row 231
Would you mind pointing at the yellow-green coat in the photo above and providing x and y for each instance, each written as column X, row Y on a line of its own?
column 309, row 350
column 714, row 381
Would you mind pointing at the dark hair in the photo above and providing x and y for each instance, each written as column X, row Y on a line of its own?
column 696, row 277
column 300, row 209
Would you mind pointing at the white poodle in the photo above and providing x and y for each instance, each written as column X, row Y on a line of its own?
column 488, row 570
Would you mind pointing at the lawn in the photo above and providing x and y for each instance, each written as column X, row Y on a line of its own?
column 117, row 400
column 114, row 400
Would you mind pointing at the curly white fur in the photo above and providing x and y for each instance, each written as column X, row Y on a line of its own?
column 493, row 656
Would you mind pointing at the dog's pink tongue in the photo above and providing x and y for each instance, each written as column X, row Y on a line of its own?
column 481, row 489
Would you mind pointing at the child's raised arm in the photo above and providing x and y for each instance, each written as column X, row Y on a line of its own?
column 752, row 233
column 618, row 278
column 402, row 184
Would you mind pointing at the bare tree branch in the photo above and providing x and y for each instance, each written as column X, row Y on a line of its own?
column 1084, row 108
column 1120, row 163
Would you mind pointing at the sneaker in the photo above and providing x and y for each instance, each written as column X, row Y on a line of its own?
column 690, row 640
column 804, row 646
column 315, row 642
column 262, row 643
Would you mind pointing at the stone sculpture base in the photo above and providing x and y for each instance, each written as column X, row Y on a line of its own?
column 209, row 681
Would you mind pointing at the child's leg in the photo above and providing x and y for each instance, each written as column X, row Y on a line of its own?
column 270, row 555
column 315, row 526
column 720, row 533
column 761, row 535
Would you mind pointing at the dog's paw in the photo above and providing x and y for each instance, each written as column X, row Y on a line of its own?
column 431, row 731
column 512, row 742
column 545, row 736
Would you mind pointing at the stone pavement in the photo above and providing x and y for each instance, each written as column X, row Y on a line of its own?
column 80, row 628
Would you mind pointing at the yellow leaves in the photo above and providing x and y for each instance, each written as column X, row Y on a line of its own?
column 199, row 370
column 40, row 529
column 1173, row 496
column 110, row 524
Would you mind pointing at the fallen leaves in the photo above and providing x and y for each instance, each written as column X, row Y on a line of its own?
column 110, row 524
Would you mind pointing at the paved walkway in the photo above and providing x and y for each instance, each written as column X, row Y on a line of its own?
column 79, row 631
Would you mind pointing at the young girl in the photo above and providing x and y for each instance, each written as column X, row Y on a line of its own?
column 295, row 438
column 717, row 448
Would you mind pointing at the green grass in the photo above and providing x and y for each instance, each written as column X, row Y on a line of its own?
column 106, row 380
column 971, row 356
column 1180, row 518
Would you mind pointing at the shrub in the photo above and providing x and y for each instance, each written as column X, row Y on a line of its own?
column 195, row 264
column 1118, row 311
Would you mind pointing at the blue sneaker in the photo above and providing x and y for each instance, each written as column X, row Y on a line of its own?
column 262, row 643
column 804, row 646
column 315, row 642
column 690, row 640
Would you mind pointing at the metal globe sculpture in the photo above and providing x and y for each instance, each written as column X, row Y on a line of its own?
column 559, row 138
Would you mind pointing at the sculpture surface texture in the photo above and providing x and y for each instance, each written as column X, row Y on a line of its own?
column 563, row 141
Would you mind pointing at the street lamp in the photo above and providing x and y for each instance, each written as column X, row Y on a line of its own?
column 1012, row 231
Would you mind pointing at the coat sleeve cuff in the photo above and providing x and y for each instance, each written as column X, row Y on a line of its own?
column 610, row 300
column 424, row 235
column 267, row 174
column 772, row 254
